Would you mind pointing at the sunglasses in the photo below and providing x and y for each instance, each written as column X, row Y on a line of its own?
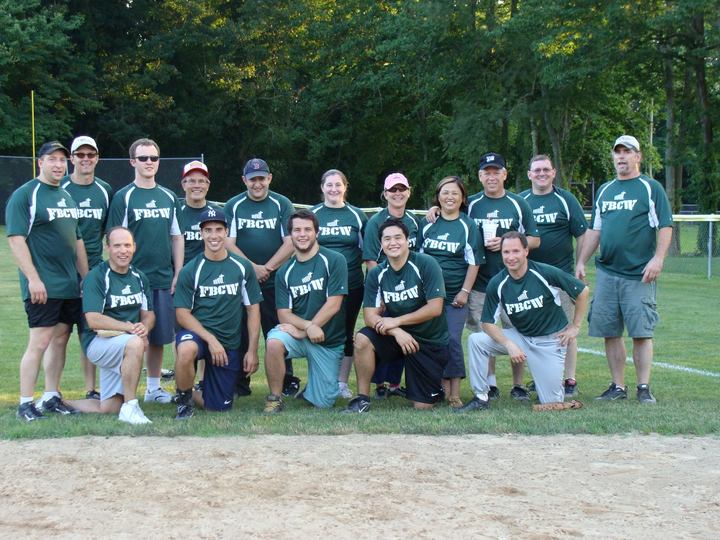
column 145, row 158
column 395, row 189
column 86, row 155
column 538, row 171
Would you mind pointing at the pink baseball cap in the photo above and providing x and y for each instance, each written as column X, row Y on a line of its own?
column 195, row 166
column 396, row 178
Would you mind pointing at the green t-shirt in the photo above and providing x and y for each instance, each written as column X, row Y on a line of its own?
column 454, row 245
column 628, row 213
column 407, row 290
column 152, row 216
column 559, row 218
column 93, row 201
column 259, row 227
column 190, row 225
column 372, row 248
column 508, row 213
column 118, row 296
column 341, row 229
column 216, row 292
column 48, row 219
column 532, row 302
column 304, row 287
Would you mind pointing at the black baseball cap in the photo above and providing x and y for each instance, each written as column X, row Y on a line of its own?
column 255, row 167
column 213, row 214
column 52, row 146
column 491, row 159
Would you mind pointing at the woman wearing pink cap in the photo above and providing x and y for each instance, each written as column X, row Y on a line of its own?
column 396, row 191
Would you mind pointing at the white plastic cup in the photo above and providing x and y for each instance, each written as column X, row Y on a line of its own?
column 489, row 231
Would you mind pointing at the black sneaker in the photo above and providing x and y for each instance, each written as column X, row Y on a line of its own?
column 56, row 405
column 644, row 395
column 475, row 404
column 358, row 404
column 27, row 412
column 518, row 393
column 198, row 386
column 397, row 391
column 381, row 391
column 613, row 393
column 242, row 386
column 92, row 394
column 571, row 388
column 291, row 386
column 184, row 411
column 494, row 393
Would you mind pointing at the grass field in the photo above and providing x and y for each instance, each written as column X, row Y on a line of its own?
column 688, row 402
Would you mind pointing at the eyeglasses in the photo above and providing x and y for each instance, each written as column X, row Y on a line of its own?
column 86, row 155
column 538, row 171
column 195, row 181
column 395, row 189
column 145, row 158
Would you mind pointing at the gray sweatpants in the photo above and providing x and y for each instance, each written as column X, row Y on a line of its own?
column 545, row 358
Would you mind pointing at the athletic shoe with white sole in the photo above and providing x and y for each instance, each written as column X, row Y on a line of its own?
column 131, row 413
column 56, row 405
column 158, row 396
column 518, row 393
column 475, row 404
column 27, row 412
column 644, row 395
column 613, row 393
column 184, row 411
column 359, row 404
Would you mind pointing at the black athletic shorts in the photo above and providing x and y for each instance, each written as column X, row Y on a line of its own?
column 353, row 303
column 423, row 369
column 54, row 311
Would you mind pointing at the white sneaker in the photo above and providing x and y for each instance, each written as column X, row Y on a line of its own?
column 158, row 396
column 131, row 413
column 344, row 390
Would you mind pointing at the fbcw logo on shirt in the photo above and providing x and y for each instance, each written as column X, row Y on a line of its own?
column 618, row 203
column 441, row 244
column 517, row 307
column 228, row 289
column 62, row 212
column 62, row 203
column 501, row 223
column 399, row 296
column 85, row 204
column 126, row 299
column 523, row 296
column 126, row 289
column 219, row 280
column 307, row 286
column 151, row 204
column 256, row 222
column 400, row 286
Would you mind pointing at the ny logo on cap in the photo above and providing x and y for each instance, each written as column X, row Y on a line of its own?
column 211, row 213
column 488, row 159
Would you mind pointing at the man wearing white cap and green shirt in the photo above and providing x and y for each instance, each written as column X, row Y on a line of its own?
column 631, row 221
column 195, row 182
column 93, row 197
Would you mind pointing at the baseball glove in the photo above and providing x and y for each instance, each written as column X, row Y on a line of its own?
column 562, row 406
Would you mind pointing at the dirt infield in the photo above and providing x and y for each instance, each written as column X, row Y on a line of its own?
column 342, row 487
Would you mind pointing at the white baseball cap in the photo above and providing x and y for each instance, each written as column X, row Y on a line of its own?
column 195, row 166
column 628, row 141
column 83, row 141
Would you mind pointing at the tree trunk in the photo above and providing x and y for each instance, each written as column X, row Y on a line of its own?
column 669, row 83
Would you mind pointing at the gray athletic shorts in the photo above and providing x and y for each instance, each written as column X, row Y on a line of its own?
column 164, row 330
column 619, row 302
column 108, row 354
column 475, row 304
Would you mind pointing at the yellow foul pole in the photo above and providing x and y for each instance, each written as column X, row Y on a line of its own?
column 32, row 126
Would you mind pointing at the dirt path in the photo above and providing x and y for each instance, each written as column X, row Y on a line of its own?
column 369, row 486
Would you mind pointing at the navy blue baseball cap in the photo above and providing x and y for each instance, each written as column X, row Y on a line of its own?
column 52, row 146
column 255, row 167
column 491, row 159
column 213, row 214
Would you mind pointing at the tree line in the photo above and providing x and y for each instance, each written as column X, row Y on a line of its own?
column 374, row 86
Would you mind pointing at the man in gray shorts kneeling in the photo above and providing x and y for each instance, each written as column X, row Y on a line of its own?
column 117, row 303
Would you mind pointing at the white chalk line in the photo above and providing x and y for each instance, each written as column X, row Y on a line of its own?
column 665, row 365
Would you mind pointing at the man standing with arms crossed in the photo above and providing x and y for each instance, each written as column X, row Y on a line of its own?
column 150, row 211
column 44, row 238
column 258, row 221
column 213, row 292
column 559, row 218
column 632, row 223
column 92, row 195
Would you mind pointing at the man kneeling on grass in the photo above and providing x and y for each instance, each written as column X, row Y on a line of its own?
column 309, row 292
column 405, row 319
column 213, row 292
column 529, row 293
column 117, row 303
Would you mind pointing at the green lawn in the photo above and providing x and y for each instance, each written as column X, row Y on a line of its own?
column 687, row 402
